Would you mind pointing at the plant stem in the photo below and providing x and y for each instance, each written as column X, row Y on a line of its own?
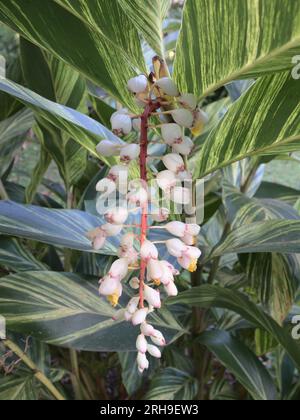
column 39, row 375
column 3, row 192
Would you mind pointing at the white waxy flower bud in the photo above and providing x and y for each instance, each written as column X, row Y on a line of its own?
column 118, row 172
column 189, row 258
column 188, row 100
column 176, row 247
column 141, row 343
column 119, row 315
column 130, row 152
column 171, row 289
column 117, row 215
column 108, row 286
column 162, row 215
column 127, row 316
column 189, row 239
column 139, row 316
column 180, row 195
column 193, row 229
column 174, row 163
column 183, row 117
column 106, row 186
column 166, row 180
column 138, row 84
column 136, row 124
column 158, row 339
column 138, row 197
column 176, row 228
column 147, row 329
column 149, row 251
column 167, row 275
column 154, row 351
column 200, row 119
column 121, row 123
column 167, row 86
column 184, row 147
column 134, row 283
column 111, row 230
column 108, row 148
column 142, row 361
column 119, row 269
column 99, row 242
column 171, row 133
column 127, row 240
column 154, row 270
column 152, row 296
column 133, row 305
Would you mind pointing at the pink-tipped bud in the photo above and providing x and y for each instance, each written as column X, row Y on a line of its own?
column 148, row 251
column 154, row 351
column 108, row 286
column 188, row 100
column 119, row 269
column 133, row 305
column 154, row 270
column 171, row 289
column 121, row 123
column 176, row 228
column 139, row 316
column 138, row 84
column 183, row 147
column 189, row 258
column 158, row 339
column 171, row 133
column 167, row 86
column 117, row 215
column 152, row 296
column 174, row 162
column 166, row 180
column 183, row 117
column 99, row 242
column 141, row 343
column 147, row 329
column 108, row 148
column 176, row 247
column 130, row 152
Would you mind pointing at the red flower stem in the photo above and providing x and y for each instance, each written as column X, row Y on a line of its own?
column 149, row 109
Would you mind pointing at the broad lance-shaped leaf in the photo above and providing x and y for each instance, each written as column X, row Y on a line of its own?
column 107, row 46
column 148, row 19
column 13, row 132
column 240, row 360
column 264, row 121
column 16, row 257
column 22, row 388
column 86, row 131
column 221, row 41
column 208, row 296
column 58, row 82
column 172, row 384
column 271, row 236
column 65, row 310
column 64, row 228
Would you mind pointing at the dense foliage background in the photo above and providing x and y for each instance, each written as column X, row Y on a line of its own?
column 229, row 329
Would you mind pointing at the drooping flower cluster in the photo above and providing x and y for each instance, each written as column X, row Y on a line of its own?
column 136, row 251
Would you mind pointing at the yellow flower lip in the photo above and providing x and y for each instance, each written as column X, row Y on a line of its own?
column 193, row 266
column 113, row 299
column 157, row 282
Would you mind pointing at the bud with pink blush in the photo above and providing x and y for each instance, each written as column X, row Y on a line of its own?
column 152, row 296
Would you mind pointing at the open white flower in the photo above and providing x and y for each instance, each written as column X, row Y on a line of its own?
column 200, row 119
column 166, row 180
column 138, row 84
column 167, row 86
column 176, row 247
column 148, row 251
column 119, row 269
column 189, row 258
column 117, row 215
column 183, row 147
column 121, row 123
column 183, row 117
column 108, row 148
column 174, row 163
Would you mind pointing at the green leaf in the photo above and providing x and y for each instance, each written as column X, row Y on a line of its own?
column 264, row 121
column 13, row 132
column 66, row 310
column 265, row 33
column 278, row 192
column 21, row 388
column 107, row 44
column 16, row 257
column 172, row 384
column 240, row 361
column 208, row 296
column 64, row 228
column 86, row 131
column 148, row 19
